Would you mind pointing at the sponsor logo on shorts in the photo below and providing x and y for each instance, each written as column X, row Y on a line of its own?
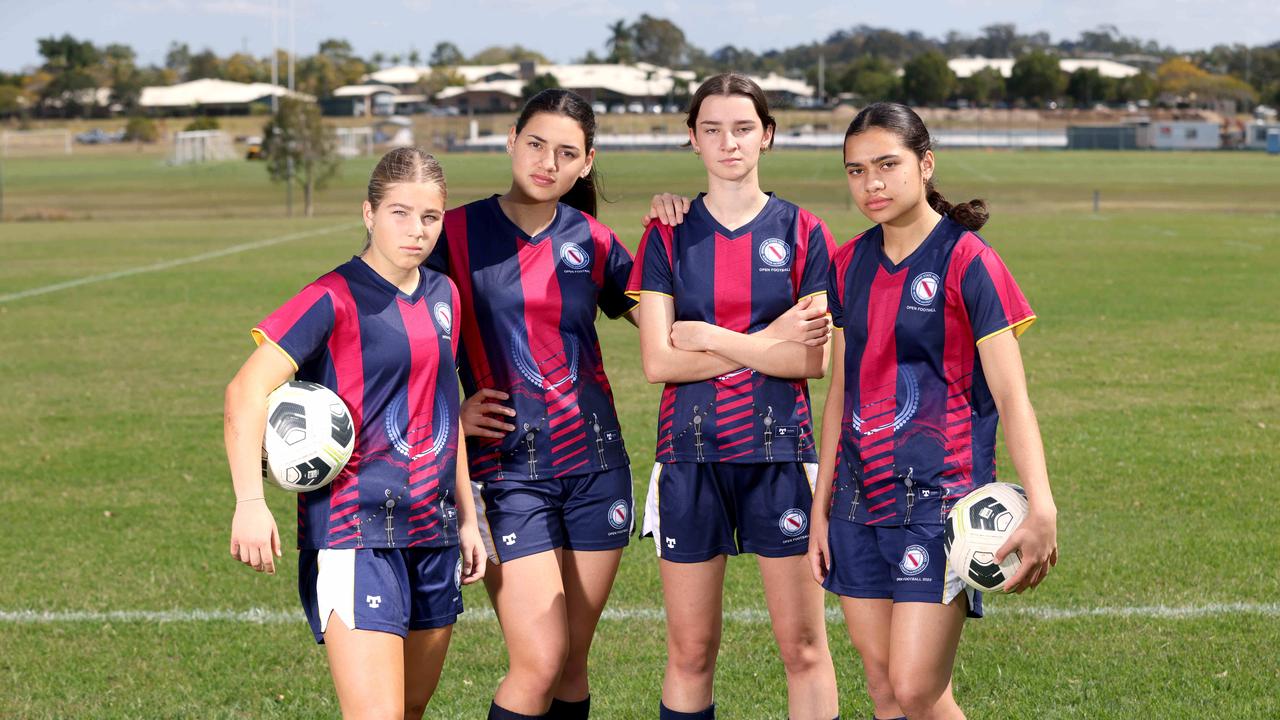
column 619, row 514
column 793, row 522
column 444, row 317
column 509, row 539
column 373, row 601
column 774, row 252
column 914, row 560
column 573, row 256
column 671, row 543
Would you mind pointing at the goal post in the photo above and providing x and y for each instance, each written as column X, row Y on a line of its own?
column 17, row 143
column 198, row 146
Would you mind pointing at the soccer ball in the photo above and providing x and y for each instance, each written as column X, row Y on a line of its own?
column 977, row 527
column 309, row 436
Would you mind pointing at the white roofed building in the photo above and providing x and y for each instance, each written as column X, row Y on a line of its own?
column 964, row 67
column 215, row 97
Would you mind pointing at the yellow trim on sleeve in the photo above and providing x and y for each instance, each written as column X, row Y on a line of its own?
column 651, row 292
column 820, row 292
column 260, row 336
column 1018, row 328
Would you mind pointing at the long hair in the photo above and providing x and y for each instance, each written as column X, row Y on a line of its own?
column 903, row 122
column 403, row 165
column 583, row 194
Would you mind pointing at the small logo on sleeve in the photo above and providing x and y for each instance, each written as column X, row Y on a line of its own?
column 924, row 289
column 574, row 257
column 373, row 601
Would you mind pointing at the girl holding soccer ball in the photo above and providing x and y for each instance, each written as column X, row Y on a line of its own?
column 926, row 362
column 385, row 547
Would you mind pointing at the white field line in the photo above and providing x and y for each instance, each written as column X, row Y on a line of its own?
column 749, row 616
column 165, row 265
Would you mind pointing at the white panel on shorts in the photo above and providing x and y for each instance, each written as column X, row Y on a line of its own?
column 486, row 534
column 952, row 585
column 811, row 474
column 336, row 586
column 651, row 517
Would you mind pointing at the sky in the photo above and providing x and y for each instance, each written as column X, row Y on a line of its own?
column 563, row 30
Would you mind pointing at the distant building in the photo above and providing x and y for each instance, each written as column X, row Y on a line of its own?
column 964, row 67
column 211, row 97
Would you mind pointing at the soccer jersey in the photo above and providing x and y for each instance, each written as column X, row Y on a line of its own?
column 918, row 430
column 390, row 357
column 530, row 332
column 741, row 280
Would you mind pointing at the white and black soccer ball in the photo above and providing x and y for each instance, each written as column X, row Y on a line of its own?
column 309, row 436
column 977, row 527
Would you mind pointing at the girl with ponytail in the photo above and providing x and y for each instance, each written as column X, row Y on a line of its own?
column 550, row 475
column 926, row 361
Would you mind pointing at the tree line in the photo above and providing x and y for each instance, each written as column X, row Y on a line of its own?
column 863, row 63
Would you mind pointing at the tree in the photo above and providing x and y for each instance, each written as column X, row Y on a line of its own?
column 927, row 80
column 446, row 54
column 122, row 75
column 1087, row 86
column 983, row 87
column 204, row 64
column 499, row 54
column 438, row 79
column 871, row 79
column 415, row 57
column 659, row 41
column 70, row 65
column 1136, row 87
column 178, row 58
column 538, row 83
column 1036, row 78
column 620, row 44
column 298, row 147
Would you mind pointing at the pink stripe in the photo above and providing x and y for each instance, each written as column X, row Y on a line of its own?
column 880, row 505
column 455, row 228
column 337, row 542
column 339, row 514
column 430, row 511
column 570, row 441
column 744, row 453
column 880, row 491
column 575, row 466
column 735, row 443
column 344, row 526
column 424, row 528
column 581, row 449
column 735, row 417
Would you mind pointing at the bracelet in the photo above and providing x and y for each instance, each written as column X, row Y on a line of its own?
column 249, row 499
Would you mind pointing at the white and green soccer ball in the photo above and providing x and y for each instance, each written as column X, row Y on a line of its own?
column 977, row 527
column 309, row 436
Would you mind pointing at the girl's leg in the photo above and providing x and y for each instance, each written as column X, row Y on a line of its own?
column 923, row 638
column 800, row 629
column 868, row 621
column 588, row 578
column 368, row 671
column 424, row 652
column 529, row 597
column 693, row 594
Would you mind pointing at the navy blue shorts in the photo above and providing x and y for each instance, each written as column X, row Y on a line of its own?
column 391, row 590
column 696, row 511
column 905, row 563
column 581, row 512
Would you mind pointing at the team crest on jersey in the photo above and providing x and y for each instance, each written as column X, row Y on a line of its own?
column 397, row 419
column 906, row 409
column 914, row 560
column 774, row 252
column 793, row 522
column 573, row 256
column 619, row 514
column 924, row 289
column 444, row 317
column 562, row 362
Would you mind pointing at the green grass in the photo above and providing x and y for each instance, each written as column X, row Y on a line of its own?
column 1154, row 368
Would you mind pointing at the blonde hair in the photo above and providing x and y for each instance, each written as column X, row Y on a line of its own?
column 403, row 165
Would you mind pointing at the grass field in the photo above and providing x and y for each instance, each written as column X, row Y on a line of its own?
column 1154, row 368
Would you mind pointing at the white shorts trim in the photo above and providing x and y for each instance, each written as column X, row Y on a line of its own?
column 651, row 517
column 336, row 586
column 952, row 585
column 811, row 474
column 482, row 517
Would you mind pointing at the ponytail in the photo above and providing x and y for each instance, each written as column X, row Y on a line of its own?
column 903, row 122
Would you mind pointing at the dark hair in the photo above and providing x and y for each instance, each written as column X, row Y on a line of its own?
column 401, row 165
column 572, row 105
column 907, row 125
column 727, row 85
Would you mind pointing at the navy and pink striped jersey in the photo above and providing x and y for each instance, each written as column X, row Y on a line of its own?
column 390, row 357
column 741, row 280
column 919, row 424
column 530, row 332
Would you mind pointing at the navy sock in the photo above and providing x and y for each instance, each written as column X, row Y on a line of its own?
column 569, row 710
column 873, row 717
column 497, row 712
column 666, row 713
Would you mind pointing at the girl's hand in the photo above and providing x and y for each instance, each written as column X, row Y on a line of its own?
column 473, row 553
column 805, row 322
column 691, row 335
column 667, row 209
column 1036, row 540
column 482, row 418
column 819, row 548
column 254, row 537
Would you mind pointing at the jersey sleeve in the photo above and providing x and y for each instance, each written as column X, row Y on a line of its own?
column 993, row 299
column 835, row 303
column 652, row 270
column 614, row 299
column 817, row 261
column 301, row 327
column 438, row 260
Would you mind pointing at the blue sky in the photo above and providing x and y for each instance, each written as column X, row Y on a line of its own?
column 566, row 29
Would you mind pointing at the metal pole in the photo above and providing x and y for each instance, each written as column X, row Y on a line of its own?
column 292, row 44
column 275, row 57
